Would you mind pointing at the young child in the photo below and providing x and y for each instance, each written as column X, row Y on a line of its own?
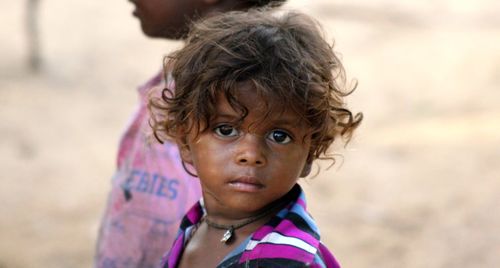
column 258, row 97
column 150, row 189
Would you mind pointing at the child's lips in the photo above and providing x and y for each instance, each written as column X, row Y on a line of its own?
column 246, row 184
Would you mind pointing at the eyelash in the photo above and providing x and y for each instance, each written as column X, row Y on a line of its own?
column 288, row 137
column 219, row 130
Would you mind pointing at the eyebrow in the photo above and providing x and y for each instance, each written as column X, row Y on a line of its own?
column 285, row 121
column 221, row 116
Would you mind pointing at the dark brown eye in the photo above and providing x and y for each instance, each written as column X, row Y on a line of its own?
column 226, row 131
column 279, row 136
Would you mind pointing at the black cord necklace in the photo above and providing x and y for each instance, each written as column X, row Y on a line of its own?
column 229, row 234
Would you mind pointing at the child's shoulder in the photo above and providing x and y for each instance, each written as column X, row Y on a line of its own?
column 290, row 239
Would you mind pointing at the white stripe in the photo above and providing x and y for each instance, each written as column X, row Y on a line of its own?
column 276, row 238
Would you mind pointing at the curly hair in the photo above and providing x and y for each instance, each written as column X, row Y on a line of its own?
column 262, row 3
column 285, row 57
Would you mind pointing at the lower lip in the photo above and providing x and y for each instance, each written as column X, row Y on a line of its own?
column 246, row 187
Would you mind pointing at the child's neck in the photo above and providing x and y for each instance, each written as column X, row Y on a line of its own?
column 231, row 223
column 205, row 248
column 232, row 227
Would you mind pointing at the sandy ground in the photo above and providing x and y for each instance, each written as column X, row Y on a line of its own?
column 418, row 186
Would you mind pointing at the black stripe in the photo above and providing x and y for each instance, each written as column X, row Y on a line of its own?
column 185, row 223
column 301, row 224
column 270, row 263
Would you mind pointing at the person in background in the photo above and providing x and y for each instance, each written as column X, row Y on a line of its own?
column 150, row 190
column 258, row 97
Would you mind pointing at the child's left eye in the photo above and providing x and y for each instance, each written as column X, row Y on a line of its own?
column 226, row 131
column 279, row 136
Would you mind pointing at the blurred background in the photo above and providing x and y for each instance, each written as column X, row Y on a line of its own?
column 419, row 185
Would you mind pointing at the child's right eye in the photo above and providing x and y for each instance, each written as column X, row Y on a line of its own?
column 226, row 131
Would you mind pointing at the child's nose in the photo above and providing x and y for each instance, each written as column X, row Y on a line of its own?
column 251, row 151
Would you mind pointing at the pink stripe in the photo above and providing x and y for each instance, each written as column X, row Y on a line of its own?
column 287, row 228
column 194, row 214
column 301, row 202
column 327, row 257
column 262, row 232
column 175, row 253
column 270, row 251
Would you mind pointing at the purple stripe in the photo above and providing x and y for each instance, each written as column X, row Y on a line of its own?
column 327, row 257
column 270, row 251
column 262, row 232
column 287, row 228
column 175, row 252
column 194, row 214
column 301, row 201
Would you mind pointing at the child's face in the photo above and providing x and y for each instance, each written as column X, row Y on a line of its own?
column 245, row 166
column 166, row 18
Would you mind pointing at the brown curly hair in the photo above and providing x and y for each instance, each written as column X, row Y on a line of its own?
column 286, row 59
column 261, row 3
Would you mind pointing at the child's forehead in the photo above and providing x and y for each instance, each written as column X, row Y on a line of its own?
column 248, row 94
column 257, row 102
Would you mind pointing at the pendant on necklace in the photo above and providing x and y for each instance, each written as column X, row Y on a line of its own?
column 227, row 235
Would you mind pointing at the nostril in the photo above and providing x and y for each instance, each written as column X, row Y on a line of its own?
column 257, row 162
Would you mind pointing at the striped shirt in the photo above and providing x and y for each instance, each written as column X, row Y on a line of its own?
column 289, row 239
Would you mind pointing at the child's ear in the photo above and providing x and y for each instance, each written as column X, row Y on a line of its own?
column 184, row 150
column 307, row 169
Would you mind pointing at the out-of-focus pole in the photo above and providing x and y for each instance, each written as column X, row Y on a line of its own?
column 33, row 35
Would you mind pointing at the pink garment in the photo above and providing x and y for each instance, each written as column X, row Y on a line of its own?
column 150, row 194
